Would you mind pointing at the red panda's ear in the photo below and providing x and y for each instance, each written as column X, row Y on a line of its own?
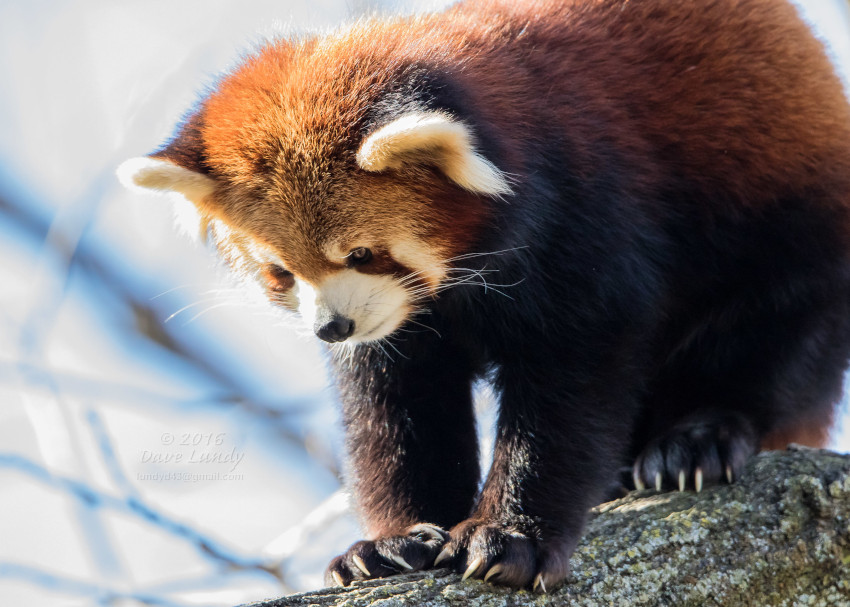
column 436, row 138
column 164, row 176
column 178, row 167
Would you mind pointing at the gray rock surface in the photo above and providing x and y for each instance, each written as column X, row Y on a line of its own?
column 779, row 536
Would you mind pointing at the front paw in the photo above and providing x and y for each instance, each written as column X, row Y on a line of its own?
column 502, row 555
column 413, row 551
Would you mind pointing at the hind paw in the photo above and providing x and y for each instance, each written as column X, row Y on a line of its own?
column 702, row 450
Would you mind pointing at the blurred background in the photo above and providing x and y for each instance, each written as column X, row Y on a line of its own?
column 164, row 439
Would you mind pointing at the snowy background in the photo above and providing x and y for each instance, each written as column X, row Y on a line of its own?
column 162, row 441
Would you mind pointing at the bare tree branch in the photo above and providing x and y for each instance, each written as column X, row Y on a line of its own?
column 135, row 505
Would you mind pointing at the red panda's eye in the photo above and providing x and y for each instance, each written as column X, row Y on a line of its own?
column 359, row 256
column 277, row 278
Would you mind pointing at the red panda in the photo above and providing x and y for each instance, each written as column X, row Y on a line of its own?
column 633, row 216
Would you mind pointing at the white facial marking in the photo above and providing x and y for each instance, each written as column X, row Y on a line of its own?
column 307, row 301
column 334, row 251
column 338, row 253
column 376, row 303
column 420, row 258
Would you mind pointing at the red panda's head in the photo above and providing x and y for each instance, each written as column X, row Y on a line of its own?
column 314, row 173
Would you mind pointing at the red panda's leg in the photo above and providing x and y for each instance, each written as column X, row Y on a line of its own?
column 771, row 374
column 559, row 444
column 770, row 377
column 413, row 453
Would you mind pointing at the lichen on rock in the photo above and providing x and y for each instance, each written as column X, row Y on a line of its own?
column 778, row 537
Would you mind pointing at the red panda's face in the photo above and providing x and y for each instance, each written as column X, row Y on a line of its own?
column 353, row 225
column 354, row 244
column 354, row 253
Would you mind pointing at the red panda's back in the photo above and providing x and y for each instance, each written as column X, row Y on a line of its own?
column 730, row 94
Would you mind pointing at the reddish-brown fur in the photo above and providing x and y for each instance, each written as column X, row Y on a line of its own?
column 290, row 114
column 716, row 112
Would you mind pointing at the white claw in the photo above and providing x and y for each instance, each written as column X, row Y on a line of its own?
column 494, row 570
column 433, row 533
column 473, row 567
column 681, row 480
column 401, row 562
column 538, row 581
column 445, row 553
column 361, row 565
column 338, row 578
column 729, row 477
column 698, row 479
column 658, row 481
column 638, row 482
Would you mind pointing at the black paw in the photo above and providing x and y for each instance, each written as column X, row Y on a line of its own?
column 704, row 449
column 501, row 555
column 387, row 556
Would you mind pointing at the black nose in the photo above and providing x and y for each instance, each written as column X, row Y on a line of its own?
column 338, row 328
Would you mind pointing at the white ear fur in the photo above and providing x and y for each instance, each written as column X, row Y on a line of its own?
column 152, row 174
column 163, row 176
column 445, row 141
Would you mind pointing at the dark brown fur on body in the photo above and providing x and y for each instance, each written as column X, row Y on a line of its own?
column 672, row 253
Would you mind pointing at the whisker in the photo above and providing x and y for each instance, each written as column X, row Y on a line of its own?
column 378, row 345
column 421, row 294
column 223, row 304
column 217, row 291
column 193, row 305
column 391, row 345
column 500, row 252
column 423, row 325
